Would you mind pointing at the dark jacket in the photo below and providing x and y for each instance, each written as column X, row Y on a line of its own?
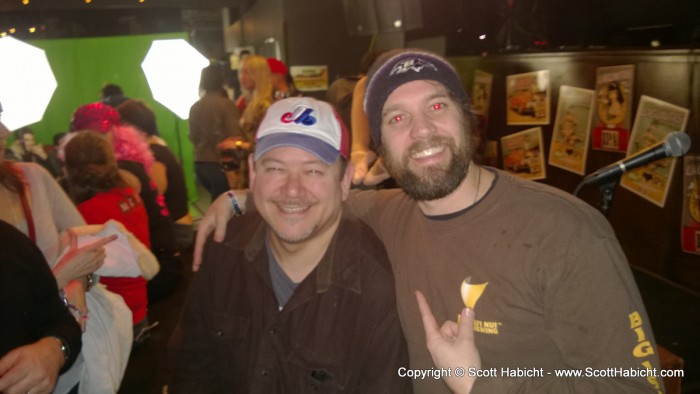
column 339, row 331
column 30, row 305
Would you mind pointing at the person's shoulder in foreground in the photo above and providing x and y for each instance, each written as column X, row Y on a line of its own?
column 40, row 337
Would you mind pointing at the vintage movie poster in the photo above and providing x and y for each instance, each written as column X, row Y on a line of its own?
column 654, row 120
column 523, row 155
column 690, row 219
column 527, row 98
column 571, row 131
column 481, row 95
column 310, row 78
column 613, row 113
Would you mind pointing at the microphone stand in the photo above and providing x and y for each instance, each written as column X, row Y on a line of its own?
column 607, row 192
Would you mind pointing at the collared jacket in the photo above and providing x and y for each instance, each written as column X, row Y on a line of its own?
column 339, row 332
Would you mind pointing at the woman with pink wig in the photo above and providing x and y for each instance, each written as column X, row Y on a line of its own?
column 135, row 159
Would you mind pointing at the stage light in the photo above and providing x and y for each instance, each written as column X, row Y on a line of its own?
column 173, row 69
column 26, row 83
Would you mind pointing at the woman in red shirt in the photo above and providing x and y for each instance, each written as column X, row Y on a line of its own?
column 101, row 194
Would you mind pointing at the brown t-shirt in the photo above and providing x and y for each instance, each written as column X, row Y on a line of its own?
column 556, row 291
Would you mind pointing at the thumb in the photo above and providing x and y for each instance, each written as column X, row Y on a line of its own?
column 466, row 326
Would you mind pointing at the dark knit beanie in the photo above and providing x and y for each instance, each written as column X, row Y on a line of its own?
column 398, row 67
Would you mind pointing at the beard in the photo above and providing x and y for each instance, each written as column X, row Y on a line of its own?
column 433, row 182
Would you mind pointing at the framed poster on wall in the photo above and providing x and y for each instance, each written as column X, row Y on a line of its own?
column 310, row 78
column 572, row 129
column 614, row 87
column 523, row 155
column 655, row 119
column 527, row 98
column 690, row 219
column 481, row 95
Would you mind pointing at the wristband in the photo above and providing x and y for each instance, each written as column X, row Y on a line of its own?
column 90, row 282
column 73, row 309
column 237, row 211
column 64, row 347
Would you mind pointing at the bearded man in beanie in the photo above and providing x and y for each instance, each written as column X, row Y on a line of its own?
column 290, row 302
column 535, row 277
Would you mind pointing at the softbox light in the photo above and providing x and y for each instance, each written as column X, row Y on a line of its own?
column 26, row 83
column 173, row 69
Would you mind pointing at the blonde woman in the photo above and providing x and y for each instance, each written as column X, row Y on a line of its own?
column 256, row 80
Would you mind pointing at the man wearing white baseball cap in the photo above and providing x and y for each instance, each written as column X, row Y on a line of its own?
column 299, row 297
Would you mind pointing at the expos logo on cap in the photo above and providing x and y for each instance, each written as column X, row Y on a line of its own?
column 300, row 115
column 304, row 123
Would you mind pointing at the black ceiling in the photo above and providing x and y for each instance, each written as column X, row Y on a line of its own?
column 33, row 5
column 76, row 18
column 519, row 23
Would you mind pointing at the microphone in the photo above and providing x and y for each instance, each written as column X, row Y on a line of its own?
column 674, row 145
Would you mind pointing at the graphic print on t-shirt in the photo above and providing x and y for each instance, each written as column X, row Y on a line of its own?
column 471, row 292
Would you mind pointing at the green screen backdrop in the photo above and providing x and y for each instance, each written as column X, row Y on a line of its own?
column 82, row 66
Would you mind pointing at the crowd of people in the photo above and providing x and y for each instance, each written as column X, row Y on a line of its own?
column 429, row 264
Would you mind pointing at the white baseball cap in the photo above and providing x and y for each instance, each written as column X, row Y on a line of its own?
column 305, row 123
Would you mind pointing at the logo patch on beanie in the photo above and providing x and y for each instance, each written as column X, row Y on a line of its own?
column 415, row 64
column 299, row 115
